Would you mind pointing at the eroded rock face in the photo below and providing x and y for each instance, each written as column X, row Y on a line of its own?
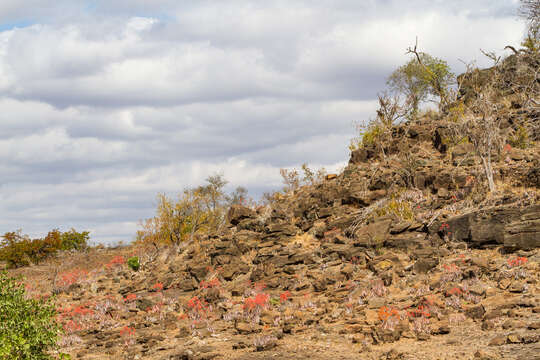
column 515, row 228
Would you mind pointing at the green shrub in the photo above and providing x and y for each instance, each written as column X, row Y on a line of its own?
column 28, row 329
column 520, row 138
column 133, row 263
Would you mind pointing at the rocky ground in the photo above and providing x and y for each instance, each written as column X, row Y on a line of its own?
column 403, row 255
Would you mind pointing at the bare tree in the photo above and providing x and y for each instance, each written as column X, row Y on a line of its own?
column 481, row 123
column 530, row 10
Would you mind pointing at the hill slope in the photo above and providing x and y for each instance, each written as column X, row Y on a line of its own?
column 403, row 255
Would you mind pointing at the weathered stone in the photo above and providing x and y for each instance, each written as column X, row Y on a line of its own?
column 282, row 228
column 358, row 195
column 398, row 228
column 144, row 304
column 475, row 312
column 514, row 227
column 373, row 234
column 422, row 266
column 361, row 155
column 246, row 328
column 514, row 338
column 250, row 224
column 406, row 240
column 523, row 235
column 485, row 355
column 238, row 213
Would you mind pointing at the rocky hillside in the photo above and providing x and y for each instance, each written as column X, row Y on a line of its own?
column 403, row 255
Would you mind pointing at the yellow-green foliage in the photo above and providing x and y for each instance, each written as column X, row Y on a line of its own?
column 372, row 134
column 399, row 208
column 456, row 112
column 520, row 138
column 368, row 136
column 454, row 140
column 196, row 211
column 19, row 250
column 418, row 81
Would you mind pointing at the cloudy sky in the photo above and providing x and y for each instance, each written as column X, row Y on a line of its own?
column 103, row 104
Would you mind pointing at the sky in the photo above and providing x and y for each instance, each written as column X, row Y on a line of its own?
column 105, row 104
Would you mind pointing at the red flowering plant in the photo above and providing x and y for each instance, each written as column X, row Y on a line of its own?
column 128, row 333
column 130, row 298
column 253, row 306
column 451, row 273
column 516, row 268
column 284, row 296
column 518, row 261
column 198, row 310
column 76, row 318
column 71, row 326
column 157, row 287
column 65, row 279
column 213, row 283
column 115, row 262
column 444, row 230
column 421, row 314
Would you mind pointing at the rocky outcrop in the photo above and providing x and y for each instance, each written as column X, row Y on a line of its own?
column 514, row 228
column 238, row 213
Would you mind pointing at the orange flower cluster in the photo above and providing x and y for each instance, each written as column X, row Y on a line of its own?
column 209, row 284
column 71, row 277
column 74, row 311
column 117, row 260
column 259, row 301
column 284, row 296
column 421, row 311
column 196, row 304
column 130, row 297
column 127, row 331
column 450, row 267
column 517, row 261
column 158, row 286
column 386, row 312
column 444, row 227
column 454, row 291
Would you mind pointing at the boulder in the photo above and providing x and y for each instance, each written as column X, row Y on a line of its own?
column 238, row 213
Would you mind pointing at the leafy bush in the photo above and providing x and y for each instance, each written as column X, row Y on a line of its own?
column 133, row 263
column 19, row 250
column 372, row 134
column 520, row 138
column 74, row 240
column 400, row 208
column 422, row 78
column 198, row 210
column 28, row 329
